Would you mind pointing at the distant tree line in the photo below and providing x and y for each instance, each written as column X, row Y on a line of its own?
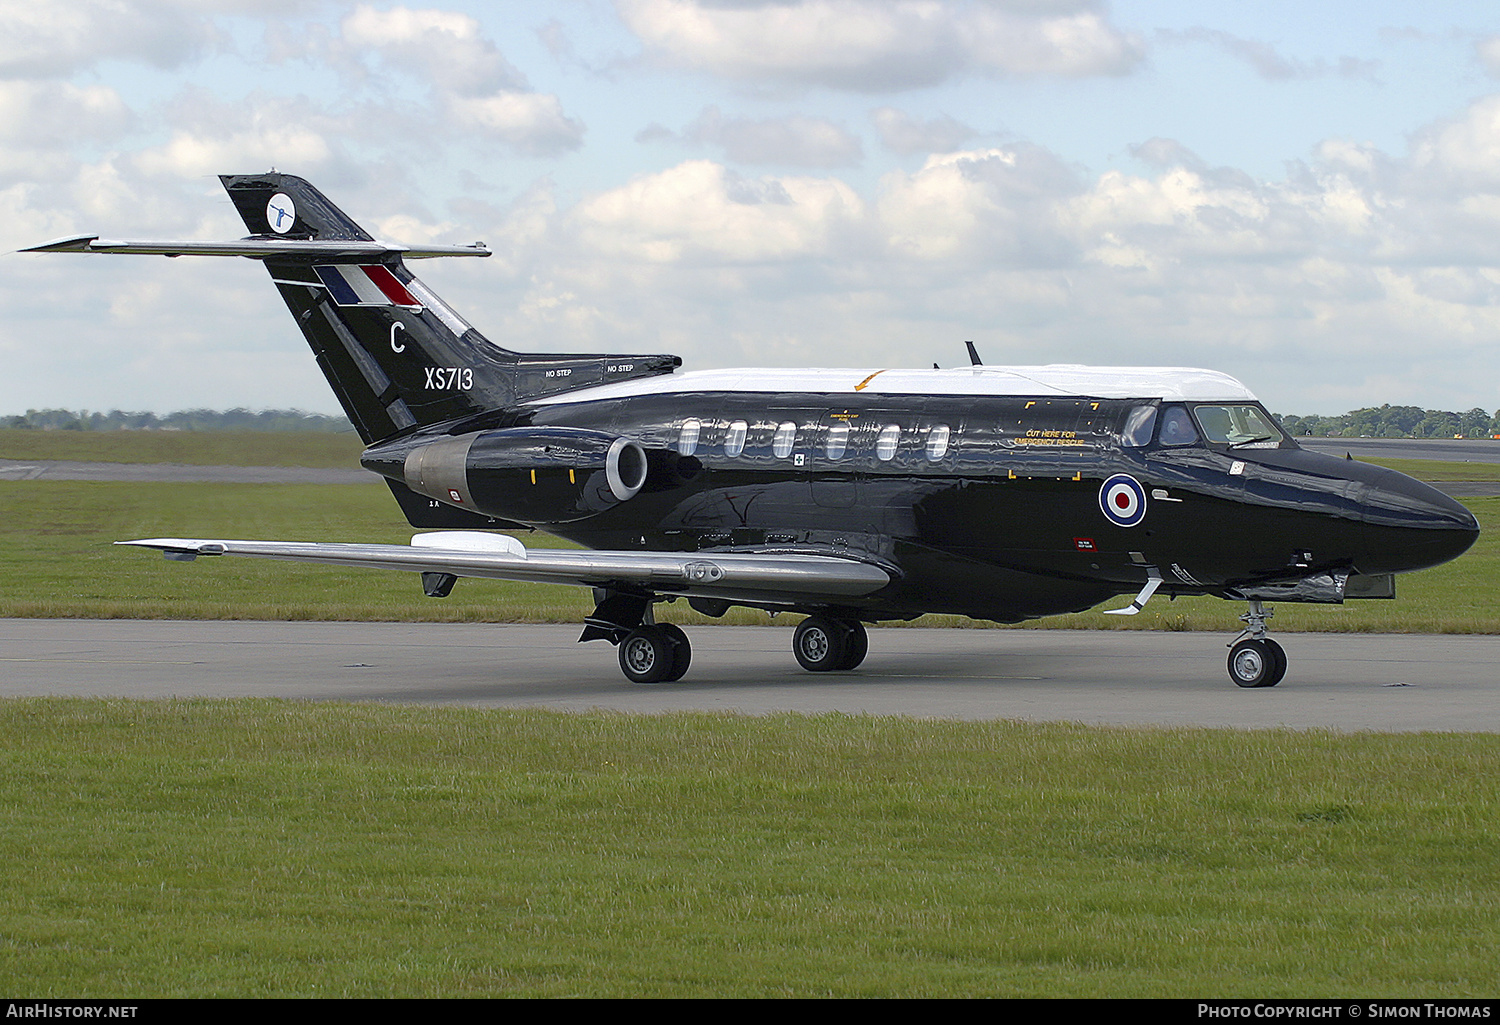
column 1395, row 422
column 185, row 420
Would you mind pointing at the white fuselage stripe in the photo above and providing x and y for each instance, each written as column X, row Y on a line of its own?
column 1182, row 384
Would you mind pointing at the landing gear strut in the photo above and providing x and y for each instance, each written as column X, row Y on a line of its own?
column 822, row 643
column 1254, row 659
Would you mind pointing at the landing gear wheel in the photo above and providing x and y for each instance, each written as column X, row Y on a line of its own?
column 856, row 645
column 1255, row 663
column 1279, row 669
column 682, row 651
column 819, row 644
column 647, row 655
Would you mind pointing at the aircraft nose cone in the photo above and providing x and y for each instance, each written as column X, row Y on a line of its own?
column 1415, row 524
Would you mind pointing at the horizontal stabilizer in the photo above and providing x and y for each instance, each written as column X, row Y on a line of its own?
column 750, row 576
column 326, row 250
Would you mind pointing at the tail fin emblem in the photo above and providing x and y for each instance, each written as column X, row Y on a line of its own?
column 281, row 213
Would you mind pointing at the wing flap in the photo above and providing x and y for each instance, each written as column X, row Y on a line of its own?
column 731, row 575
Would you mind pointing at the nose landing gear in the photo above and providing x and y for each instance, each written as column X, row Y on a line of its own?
column 1254, row 659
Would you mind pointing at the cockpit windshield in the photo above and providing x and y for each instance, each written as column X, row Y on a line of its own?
column 1177, row 428
column 1238, row 426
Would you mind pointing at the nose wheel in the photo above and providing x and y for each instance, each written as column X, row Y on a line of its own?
column 1255, row 663
column 1254, row 659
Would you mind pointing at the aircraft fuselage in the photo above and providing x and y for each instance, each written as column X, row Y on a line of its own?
column 984, row 506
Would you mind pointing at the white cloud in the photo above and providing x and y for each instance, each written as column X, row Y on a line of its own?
column 187, row 155
column 1270, row 63
column 997, row 204
column 42, row 122
column 445, row 47
column 702, row 211
column 474, row 86
column 531, row 123
column 878, row 47
column 1463, row 150
column 794, row 140
column 1488, row 52
column 904, row 134
column 53, row 40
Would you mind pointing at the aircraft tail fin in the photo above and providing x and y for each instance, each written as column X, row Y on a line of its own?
column 398, row 358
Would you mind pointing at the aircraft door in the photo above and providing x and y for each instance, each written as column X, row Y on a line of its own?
column 835, row 477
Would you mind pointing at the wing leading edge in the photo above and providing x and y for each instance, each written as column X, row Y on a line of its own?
column 752, row 576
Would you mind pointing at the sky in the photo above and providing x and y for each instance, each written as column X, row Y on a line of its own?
column 1303, row 195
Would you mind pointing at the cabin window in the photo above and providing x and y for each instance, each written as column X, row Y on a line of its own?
column 937, row 442
column 734, row 438
column 837, row 441
column 1139, row 426
column 1177, row 427
column 885, row 444
column 687, row 441
column 786, row 436
column 1247, row 426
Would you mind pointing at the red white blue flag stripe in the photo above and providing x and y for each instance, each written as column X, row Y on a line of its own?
column 372, row 285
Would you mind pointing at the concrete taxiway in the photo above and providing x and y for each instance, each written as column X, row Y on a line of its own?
column 1345, row 682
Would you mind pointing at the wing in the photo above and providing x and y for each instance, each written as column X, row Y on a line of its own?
column 736, row 576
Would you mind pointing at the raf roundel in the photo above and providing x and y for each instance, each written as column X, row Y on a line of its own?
column 280, row 213
column 1123, row 500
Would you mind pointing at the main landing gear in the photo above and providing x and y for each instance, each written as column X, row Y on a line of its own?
column 655, row 653
column 652, row 652
column 661, row 653
column 1254, row 659
column 823, row 644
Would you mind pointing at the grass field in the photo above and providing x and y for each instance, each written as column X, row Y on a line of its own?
column 195, row 448
column 255, row 848
column 1435, row 470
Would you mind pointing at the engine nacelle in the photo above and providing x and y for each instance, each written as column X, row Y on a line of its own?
column 525, row 474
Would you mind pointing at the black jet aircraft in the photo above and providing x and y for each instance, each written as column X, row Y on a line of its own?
column 850, row 496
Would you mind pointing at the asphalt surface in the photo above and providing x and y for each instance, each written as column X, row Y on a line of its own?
column 1343, row 682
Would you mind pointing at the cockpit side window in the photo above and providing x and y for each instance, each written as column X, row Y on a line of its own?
column 1238, row 426
column 1138, row 427
column 1177, row 427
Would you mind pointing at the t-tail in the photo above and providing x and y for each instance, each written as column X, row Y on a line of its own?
column 399, row 359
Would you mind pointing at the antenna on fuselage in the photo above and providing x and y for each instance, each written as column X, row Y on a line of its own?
column 974, row 360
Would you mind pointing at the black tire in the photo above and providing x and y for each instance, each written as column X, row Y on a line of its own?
column 647, row 656
column 819, row 644
column 1279, row 669
column 682, row 651
column 856, row 645
column 1253, row 663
